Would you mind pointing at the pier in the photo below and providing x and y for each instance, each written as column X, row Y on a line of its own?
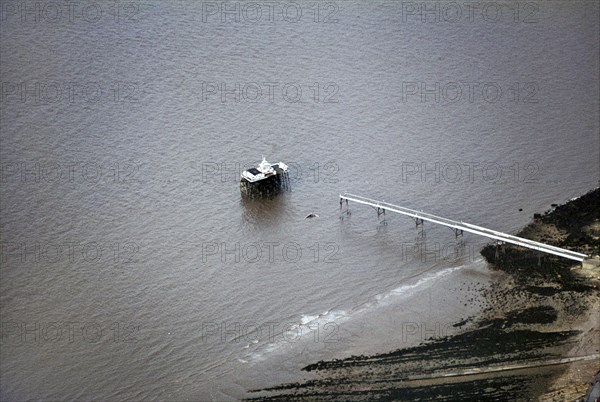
column 460, row 227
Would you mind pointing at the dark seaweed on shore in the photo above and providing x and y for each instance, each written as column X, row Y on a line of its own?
column 492, row 343
column 571, row 221
column 395, row 375
column 496, row 345
column 489, row 389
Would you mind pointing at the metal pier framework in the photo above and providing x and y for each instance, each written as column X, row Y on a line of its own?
column 460, row 227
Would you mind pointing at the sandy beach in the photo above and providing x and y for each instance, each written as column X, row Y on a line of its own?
column 537, row 336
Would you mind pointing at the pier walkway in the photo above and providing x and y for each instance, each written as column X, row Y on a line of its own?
column 459, row 227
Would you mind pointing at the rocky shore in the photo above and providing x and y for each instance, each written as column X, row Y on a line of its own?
column 537, row 338
column 574, row 226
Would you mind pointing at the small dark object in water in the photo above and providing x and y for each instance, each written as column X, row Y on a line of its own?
column 554, row 205
column 311, row 216
column 520, row 209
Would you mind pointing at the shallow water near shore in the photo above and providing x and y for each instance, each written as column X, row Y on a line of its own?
column 179, row 285
column 405, row 321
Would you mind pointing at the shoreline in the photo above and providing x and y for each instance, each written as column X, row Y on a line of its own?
column 537, row 339
column 574, row 225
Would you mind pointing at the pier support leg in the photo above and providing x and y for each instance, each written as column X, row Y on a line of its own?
column 419, row 222
column 347, row 211
column 381, row 211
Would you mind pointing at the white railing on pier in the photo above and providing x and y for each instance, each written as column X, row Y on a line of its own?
column 467, row 227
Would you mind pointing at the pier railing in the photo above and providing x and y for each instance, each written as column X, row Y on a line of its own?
column 459, row 227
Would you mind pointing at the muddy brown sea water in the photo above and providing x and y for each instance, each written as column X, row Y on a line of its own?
column 132, row 268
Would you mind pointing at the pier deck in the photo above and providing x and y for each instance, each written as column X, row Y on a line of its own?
column 460, row 227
